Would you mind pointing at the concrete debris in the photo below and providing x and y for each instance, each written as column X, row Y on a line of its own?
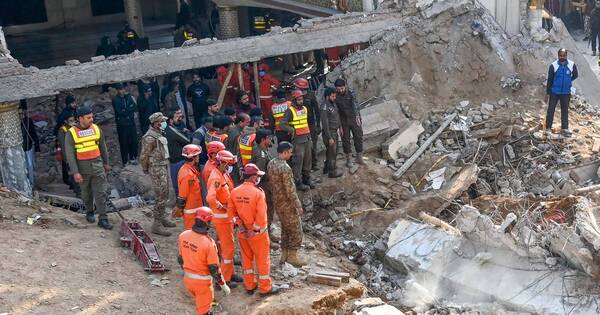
column 436, row 178
column 512, row 82
column 404, row 143
column 451, row 271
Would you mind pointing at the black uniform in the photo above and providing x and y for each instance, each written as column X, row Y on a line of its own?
column 146, row 107
column 348, row 110
column 330, row 119
column 314, row 122
column 125, row 107
column 198, row 94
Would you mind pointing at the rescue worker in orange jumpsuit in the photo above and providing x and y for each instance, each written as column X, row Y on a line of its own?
column 189, row 199
column 333, row 57
column 266, row 86
column 277, row 111
column 234, row 86
column 212, row 149
column 200, row 262
column 219, row 187
column 248, row 210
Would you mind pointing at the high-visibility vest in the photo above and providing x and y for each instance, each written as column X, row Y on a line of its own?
column 214, row 135
column 86, row 142
column 245, row 144
column 300, row 120
column 278, row 112
column 130, row 35
column 188, row 36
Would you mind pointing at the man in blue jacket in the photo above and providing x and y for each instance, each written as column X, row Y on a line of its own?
column 561, row 75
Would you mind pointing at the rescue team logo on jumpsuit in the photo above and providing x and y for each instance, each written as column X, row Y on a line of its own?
column 189, row 246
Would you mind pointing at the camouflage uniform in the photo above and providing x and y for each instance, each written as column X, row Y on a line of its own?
column 285, row 202
column 261, row 158
column 154, row 161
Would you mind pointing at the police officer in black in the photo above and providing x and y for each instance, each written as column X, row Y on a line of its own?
column 125, row 108
column 330, row 121
column 350, row 120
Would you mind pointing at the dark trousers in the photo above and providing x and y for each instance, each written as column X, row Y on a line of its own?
column 301, row 161
column 595, row 41
column 564, row 110
column 199, row 112
column 128, row 143
column 351, row 127
column 174, row 170
column 314, row 136
column 68, row 179
column 331, row 152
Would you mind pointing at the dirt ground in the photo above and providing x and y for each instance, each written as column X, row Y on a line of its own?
column 63, row 265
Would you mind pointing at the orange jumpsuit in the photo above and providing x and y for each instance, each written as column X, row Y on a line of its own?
column 234, row 86
column 208, row 168
column 198, row 252
column 266, row 95
column 248, row 203
column 190, row 189
column 219, row 187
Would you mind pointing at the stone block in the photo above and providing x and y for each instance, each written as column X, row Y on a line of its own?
column 584, row 173
column 404, row 142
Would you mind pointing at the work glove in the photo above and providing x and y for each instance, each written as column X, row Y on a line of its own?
column 225, row 288
column 177, row 212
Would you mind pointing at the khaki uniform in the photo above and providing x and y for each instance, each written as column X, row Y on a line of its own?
column 154, row 160
column 286, row 203
column 94, row 185
column 302, row 158
column 261, row 158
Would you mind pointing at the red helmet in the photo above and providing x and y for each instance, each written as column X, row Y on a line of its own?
column 226, row 157
column 301, row 83
column 191, row 150
column 297, row 94
column 252, row 169
column 214, row 147
column 204, row 214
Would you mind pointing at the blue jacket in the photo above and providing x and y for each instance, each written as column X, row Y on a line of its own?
column 561, row 77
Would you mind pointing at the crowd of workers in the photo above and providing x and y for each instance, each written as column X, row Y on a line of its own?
column 223, row 172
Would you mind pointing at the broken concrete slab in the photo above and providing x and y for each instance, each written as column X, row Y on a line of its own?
column 404, row 142
column 585, row 172
column 323, row 33
column 433, row 8
column 430, row 202
column 444, row 266
column 380, row 121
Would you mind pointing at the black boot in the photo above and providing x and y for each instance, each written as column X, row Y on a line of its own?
column 309, row 183
column 103, row 223
column 302, row 187
column 236, row 278
column 89, row 216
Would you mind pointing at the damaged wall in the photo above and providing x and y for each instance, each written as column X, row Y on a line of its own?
column 456, row 53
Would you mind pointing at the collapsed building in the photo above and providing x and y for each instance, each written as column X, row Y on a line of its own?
column 463, row 207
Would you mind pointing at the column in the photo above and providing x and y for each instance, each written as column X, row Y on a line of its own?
column 133, row 9
column 229, row 25
column 12, row 157
column 368, row 5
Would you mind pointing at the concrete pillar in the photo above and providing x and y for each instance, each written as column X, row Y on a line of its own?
column 368, row 5
column 229, row 24
column 12, row 157
column 133, row 9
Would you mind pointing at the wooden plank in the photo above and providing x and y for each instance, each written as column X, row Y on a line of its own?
column 225, row 84
column 326, row 280
column 256, row 84
column 423, row 147
column 343, row 275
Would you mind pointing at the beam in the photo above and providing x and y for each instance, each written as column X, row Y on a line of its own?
column 313, row 34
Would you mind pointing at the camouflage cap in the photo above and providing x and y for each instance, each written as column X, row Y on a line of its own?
column 157, row 117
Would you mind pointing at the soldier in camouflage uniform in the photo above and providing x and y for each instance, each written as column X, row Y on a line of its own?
column 154, row 161
column 286, row 204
